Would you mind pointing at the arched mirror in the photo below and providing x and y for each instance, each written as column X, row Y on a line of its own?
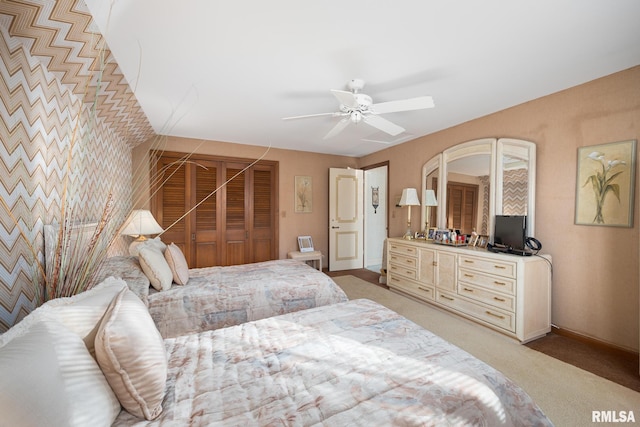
column 476, row 180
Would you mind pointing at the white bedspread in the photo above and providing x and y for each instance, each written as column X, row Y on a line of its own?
column 350, row 364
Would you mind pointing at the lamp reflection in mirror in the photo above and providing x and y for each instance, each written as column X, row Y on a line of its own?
column 409, row 198
column 429, row 200
column 140, row 223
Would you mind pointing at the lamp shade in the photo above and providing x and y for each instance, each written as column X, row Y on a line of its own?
column 430, row 198
column 409, row 197
column 141, row 223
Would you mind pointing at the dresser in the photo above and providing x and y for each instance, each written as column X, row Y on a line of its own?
column 508, row 293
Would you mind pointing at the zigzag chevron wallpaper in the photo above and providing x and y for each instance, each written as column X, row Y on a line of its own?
column 52, row 103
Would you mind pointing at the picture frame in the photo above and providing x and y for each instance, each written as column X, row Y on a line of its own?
column 431, row 233
column 305, row 244
column 605, row 184
column 473, row 240
column 303, row 193
column 483, row 240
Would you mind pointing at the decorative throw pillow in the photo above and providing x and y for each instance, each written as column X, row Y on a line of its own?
column 48, row 378
column 132, row 356
column 80, row 313
column 178, row 264
column 155, row 243
column 128, row 269
column 156, row 268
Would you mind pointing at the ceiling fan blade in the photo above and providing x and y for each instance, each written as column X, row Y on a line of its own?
column 418, row 103
column 335, row 114
column 339, row 127
column 383, row 124
column 345, row 98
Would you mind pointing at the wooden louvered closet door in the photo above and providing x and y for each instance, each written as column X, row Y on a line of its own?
column 236, row 225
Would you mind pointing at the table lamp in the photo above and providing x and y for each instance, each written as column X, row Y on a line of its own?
column 140, row 223
column 409, row 198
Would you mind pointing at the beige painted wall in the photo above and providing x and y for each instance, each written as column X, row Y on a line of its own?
column 291, row 163
column 595, row 276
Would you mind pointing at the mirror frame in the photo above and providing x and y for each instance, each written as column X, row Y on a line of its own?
column 496, row 148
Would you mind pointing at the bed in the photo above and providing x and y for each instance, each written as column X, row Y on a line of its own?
column 217, row 297
column 97, row 359
column 353, row 363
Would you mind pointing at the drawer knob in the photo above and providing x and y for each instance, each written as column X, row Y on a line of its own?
column 468, row 261
column 494, row 315
column 500, row 267
column 468, row 290
column 468, row 275
column 499, row 299
column 499, row 283
column 446, row 297
column 424, row 289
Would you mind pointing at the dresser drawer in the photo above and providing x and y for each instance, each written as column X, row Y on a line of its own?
column 402, row 270
column 505, row 302
column 398, row 248
column 403, row 261
column 494, row 316
column 501, row 268
column 491, row 282
column 418, row 290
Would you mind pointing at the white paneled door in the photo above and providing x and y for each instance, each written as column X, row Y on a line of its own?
column 345, row 219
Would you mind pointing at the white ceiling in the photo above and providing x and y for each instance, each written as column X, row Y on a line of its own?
column 230, row 70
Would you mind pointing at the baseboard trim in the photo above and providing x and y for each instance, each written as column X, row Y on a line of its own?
column 622, row 352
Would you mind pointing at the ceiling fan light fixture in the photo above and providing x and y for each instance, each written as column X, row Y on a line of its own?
column 356, row 117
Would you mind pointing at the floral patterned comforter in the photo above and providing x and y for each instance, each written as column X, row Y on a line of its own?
column 355, row 363
column 217, row 297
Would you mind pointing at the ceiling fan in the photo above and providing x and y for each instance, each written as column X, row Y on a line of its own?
column 356, row 107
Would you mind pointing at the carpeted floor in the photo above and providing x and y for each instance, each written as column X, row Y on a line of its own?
column 619, row 367
column 566, row 393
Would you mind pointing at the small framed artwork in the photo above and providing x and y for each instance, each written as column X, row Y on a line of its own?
column 483, row 240
column 305, row 243
column 303, row 194
column 473, row 240
column 605, row 184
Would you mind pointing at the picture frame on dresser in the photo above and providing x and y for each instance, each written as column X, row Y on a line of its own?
column 431, row 233
column 482, row 241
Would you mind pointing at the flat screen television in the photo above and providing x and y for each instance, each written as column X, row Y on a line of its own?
column 510, row 231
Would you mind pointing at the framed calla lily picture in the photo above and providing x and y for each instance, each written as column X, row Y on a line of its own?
column 605, row 184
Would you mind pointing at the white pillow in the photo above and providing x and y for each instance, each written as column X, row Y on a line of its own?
column 178, row 264
column 80, row 313
column 156, row 268
column 132, row 356
column 48, row 378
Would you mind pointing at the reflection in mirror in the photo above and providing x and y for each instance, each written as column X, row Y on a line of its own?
column 468, row 194
column 430, row 179
column 516, row 180
column 514, row 188
column 431, row 203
